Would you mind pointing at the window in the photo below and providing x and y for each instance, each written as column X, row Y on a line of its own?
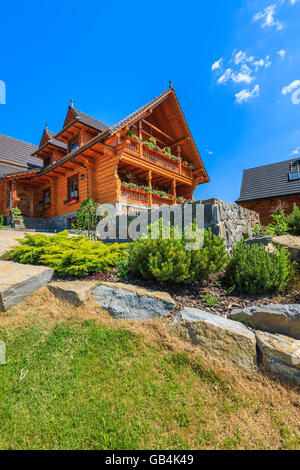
column 47, row 196
column 73, row 187
column 294, row 173
column 47, row 161
column 73, row 144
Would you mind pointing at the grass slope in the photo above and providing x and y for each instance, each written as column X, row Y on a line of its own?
column 76, row 379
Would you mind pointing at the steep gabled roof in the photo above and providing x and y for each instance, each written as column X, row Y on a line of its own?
column 76, row 115
column 17, row 154
column 48, row 137
column 139, row 112
column 268, row 181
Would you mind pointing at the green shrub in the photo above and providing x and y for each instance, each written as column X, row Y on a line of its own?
column 255, row 270
column 76, row 256
column 279, row 226
column 294, row 220
column 169, row 260
column 86, row 218
column 2, row 220
column 17, row 215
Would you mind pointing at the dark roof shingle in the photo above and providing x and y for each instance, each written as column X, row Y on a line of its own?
column 18, row 152
column 89, row 121
column 268, row 181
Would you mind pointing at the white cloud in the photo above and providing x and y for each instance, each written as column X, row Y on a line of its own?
column 226, row 76
column 242, row 57
column 217, row 65
column 262, row 63
column 241, row 77
column 295, row 152
column 293, row 2
column 209, row 152
column 291, row 87
column 246, row 95
column 281, row 53
column 267, row 18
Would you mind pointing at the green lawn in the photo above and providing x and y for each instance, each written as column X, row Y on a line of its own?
column 81, row 385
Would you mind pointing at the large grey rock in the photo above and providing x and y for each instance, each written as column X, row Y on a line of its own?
column 18, row 281
column 291, row 243
column 131, row 302
column 75, row 292
column 2, row 353
column 280, row 355
column 218, row 336
column 282, row 319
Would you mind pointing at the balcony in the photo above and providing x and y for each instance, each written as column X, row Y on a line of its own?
column 158, row 158
column 143, row 195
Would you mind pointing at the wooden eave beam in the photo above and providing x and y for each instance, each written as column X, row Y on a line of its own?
column 180, row 141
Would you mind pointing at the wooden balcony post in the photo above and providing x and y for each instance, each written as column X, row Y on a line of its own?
column 178, row 149
column 140, row 136
column 174, row 189
column 149, row 180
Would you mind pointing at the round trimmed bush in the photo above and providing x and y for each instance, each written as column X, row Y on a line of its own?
column 255, row 270
column 170, row 260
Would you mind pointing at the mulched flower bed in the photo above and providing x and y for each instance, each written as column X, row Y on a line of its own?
column 190, row 295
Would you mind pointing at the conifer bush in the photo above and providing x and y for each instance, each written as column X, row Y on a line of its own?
column 254, row 270
column 294, row 220
column 170, row 260
column 76, row 256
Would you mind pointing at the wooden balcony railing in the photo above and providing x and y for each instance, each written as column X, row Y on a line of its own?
column 162, row 200
column 159, row 158
column 137, row 196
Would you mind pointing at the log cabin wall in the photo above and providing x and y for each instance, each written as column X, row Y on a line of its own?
column 4, row 200
column 59, row 194
column 106, row 180
column 265, row 207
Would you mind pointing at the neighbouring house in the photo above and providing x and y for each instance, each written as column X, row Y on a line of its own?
column 16, row 156
column 149, row 158
column 270, row 187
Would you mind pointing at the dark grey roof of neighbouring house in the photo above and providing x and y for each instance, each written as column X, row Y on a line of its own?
column 14, row 151
column 268, row 181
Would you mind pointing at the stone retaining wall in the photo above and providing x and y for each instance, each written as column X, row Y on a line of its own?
column 230, row 221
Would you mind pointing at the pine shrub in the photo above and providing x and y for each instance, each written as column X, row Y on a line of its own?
column 294, row 220
column 169, row 260
column 254, row 270
column 76, row 256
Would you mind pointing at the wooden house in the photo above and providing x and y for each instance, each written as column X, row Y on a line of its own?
column 147, row 159
column 267, row 188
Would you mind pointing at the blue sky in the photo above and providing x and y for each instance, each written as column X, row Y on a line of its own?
column 112, row 57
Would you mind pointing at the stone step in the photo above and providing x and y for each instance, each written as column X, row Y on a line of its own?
column 18, row 281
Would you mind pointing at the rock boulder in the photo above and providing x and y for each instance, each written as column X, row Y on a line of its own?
column 282, row 319
column 280, row 355
column 131, row 302
column 220, row 337
column 75, row 292
column 18, row 281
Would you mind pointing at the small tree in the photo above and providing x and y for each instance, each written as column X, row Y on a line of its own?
column 86, row 218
